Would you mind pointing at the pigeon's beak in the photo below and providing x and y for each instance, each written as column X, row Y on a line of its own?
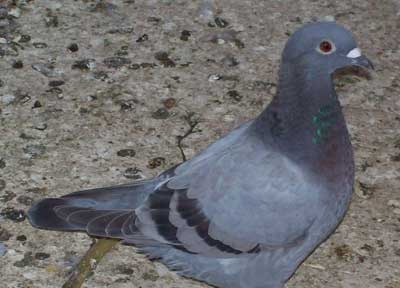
column 355, row 63
column 359, row 60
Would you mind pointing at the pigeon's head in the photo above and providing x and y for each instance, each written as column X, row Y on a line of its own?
column 323, row 47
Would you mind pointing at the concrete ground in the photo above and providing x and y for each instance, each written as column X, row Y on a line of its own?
column 95, row 93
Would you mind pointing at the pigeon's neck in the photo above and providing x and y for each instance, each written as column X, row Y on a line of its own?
column 305, row 120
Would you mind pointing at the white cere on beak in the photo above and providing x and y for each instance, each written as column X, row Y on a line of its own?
column 355, row 53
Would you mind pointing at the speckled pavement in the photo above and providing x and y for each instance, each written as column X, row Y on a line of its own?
column 96, row 93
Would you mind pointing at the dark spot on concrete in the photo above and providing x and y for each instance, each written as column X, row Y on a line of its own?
column 73, row 47
column 116, row 62
column 343, row 252
column 142, row 38
column 185, row 35
column 2, row 163
column 164, row 59
column 2, row 184
column 18, row 64
column 156, row 162
column 161, row 113
column 84, row 64
column 21, row 238
column 1, row 83
column 13, row 214
column 235, row 95
column 56, row 83
column 42, row 256
column 121, row 30
column 25, row 38
column 126, row 153
column 238, row 43
column 220, row 22
column 37, row 104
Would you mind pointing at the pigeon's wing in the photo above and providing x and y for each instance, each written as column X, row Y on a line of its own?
column 236, row 197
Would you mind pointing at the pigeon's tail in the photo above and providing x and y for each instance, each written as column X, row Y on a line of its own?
column 103, row 212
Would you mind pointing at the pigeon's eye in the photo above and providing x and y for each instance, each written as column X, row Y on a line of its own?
column 326, row 47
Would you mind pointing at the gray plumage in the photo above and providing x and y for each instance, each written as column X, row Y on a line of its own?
column 246, row 211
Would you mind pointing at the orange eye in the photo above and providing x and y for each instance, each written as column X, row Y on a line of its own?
column 325, row 46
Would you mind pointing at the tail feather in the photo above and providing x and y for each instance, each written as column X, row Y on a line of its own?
column 103, row 212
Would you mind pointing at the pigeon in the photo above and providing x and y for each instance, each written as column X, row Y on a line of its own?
column 247, row 210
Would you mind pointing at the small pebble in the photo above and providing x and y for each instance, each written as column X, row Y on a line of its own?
column 126, row 153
